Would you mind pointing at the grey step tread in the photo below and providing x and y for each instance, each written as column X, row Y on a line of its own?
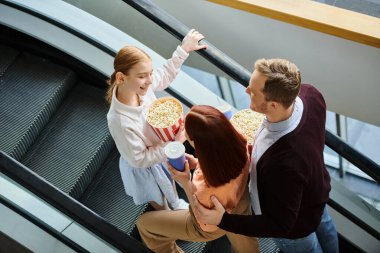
column 31, row 89
column 75, row 143
column 268, row 245
column 106, row 196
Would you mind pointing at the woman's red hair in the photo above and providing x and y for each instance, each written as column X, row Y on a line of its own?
column 220, row 149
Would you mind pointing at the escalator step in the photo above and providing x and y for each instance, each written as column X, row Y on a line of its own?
column 268, row 245
column 31, row 89
column 192, row 247
column 75, row 143
column 106, row 196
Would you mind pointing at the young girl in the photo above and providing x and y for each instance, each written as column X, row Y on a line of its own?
column 130, row 93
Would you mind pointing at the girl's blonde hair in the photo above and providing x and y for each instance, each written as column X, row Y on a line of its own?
column 124, row 60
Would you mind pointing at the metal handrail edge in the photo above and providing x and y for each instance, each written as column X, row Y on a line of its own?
column 51, row 231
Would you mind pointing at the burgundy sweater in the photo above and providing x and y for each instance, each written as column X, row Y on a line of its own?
column 292, row 180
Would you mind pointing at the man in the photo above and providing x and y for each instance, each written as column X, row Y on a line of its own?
column 289, row 184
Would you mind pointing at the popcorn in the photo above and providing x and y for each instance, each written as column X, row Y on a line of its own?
column 165, row 116
column 247, row 122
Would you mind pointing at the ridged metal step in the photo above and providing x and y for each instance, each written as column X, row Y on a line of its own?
column 106, row 196
column 75, row 143
column 31, row 89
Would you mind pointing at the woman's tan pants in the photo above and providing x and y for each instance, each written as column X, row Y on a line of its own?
column 160, row 229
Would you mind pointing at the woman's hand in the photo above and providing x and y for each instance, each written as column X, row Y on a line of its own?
column 193, row 162
column 182, row 177
column 191, row 40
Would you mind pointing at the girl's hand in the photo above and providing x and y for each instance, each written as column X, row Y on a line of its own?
column 193, row 162
column 182, row 177
column 181, row 135
column 191, row 40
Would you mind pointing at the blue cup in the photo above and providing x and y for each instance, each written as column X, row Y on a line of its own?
column 175, row 152
column 226, row 109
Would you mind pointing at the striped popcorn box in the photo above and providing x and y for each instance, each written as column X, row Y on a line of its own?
column 165, row 115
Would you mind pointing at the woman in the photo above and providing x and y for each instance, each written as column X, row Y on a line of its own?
column 221, row 170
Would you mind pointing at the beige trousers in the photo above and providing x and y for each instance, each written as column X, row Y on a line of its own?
column 160, row 229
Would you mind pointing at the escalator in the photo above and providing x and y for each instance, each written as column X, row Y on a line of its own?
column 53, row 124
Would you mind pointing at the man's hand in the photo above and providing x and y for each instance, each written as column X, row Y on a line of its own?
column 204, row 215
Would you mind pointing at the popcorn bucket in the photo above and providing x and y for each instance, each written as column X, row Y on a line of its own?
column 247, row 122
column 165, row 116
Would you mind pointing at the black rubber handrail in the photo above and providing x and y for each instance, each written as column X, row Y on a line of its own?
column 241, row 75
column 179, row 30
column 69, row 206
column 352, row 155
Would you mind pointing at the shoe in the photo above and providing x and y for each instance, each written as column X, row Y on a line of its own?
column 181, row 205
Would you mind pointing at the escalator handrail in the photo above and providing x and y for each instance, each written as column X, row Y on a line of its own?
column 365, row 164
column 68, row 205
column 241, row 75
column 179, row 30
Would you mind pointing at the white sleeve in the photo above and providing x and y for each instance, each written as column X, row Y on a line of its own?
column 162, row 77
column 133, row 149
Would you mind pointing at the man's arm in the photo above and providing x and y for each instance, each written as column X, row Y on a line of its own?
column 276, row 222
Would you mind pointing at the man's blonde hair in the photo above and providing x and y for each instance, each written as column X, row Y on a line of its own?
column 283, row 80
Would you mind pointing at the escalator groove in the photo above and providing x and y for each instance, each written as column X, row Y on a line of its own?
column 74, row 143
column 56, row 126
column 31, row 90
